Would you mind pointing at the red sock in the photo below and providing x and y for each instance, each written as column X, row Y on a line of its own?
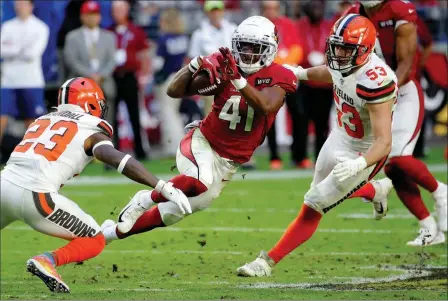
column 80, row 249
column 190, row 186
column 299, row 231
column 407, row 191
column 416, row 170
column 151, row 219
column 367, row 191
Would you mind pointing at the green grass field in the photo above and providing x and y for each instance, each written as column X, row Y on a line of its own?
column 350, row 257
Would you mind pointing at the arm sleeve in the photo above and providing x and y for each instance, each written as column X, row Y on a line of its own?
column 377, row 95
column 285, row 80
column 403, row 12
column 9, row 49
column 37, row 48
column 70, row 57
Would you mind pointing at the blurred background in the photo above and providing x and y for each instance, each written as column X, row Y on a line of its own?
column 133, row 48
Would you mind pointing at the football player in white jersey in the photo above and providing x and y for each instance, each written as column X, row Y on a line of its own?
column 55, row 148
column 365, row 89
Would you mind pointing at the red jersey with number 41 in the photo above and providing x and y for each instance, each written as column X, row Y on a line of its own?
column 372, row 83
column 52, row 150
column 233, row 128
column 392, row 14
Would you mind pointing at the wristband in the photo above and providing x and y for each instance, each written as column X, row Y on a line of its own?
column 239, row 83
column 159, row 186
column 302, row 74
column 123, row 163
column 193, row 66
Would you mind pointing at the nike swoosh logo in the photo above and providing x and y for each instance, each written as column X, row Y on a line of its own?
column 379, row 84
column 402, row 95
column 411, row 11
column 121, row 214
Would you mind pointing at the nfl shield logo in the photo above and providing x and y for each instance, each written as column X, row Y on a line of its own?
column 342, row 81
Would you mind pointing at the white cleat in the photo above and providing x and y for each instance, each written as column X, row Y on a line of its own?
column 382, row 189
column 440, row 196
column 133, row 210
column 427, row 237
column 260, row 267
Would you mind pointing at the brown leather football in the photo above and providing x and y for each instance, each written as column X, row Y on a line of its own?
column 200, row 85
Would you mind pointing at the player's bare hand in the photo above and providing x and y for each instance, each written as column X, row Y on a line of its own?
column 174, row 195
column 347, row 168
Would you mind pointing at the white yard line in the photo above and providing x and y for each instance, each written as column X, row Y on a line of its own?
column 250, row 230
column 248, row 176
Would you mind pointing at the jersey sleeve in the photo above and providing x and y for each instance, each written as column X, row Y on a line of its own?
column 373, row 87
column 403, row 12
column 285, row 79
column 97, row 125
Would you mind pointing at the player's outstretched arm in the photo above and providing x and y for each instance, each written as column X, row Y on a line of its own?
column 381, row 119
column 266, row 101
column 406, row 39
column 318, row 73
column 102, row 148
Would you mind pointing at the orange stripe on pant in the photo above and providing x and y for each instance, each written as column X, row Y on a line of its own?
column 43, row 202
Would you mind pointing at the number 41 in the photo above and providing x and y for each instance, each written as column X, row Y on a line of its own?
column 234, row 118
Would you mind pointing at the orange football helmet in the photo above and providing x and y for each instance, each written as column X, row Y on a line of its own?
column 85, row 93
column 351, row 42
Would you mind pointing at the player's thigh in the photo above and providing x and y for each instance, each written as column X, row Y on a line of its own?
column 329, row 193
column 32, row 103
column 195, row 157
column 54, row 214
column 11, row 202
column 8, row 102
column 407, row 120
column 326, row 160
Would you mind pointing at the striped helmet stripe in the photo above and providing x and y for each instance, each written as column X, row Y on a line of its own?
column 344, row 23
column 64, row 92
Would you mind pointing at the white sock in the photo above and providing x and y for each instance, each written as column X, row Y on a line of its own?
column 440, row 191
column 110, row 234
column 146, row 200
column 428, row 223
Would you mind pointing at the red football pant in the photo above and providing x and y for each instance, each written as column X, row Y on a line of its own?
column 152, row 219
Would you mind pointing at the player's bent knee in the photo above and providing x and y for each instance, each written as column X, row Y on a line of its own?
column 170, row 213
column 313, row 200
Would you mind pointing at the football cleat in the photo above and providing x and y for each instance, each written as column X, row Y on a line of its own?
column 133, row 210
column 260, row 267
column 42, row 267
column 382, row 189
column 427, row 237
column 440, row 196
column 108, row 228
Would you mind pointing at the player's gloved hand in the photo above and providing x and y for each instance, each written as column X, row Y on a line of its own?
column 298, row 71
column 210, row 64
column 174, row 195
column 347, row 168
column 192, row 125
column 229, row 69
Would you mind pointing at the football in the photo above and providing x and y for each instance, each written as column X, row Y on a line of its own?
column 200, row 85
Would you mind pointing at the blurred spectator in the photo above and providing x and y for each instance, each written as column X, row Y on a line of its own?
column 289, row 52
column 315, row 99
column 89, row 51
column 215, row 31
column 172, row 47
column 132, row 58
column 343, row 5
column 23, row 41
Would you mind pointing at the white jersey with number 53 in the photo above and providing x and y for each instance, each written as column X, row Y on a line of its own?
column 373, row 83
column 52, row 150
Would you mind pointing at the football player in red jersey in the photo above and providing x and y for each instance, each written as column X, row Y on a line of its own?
column 211, row 152
column 396, row 44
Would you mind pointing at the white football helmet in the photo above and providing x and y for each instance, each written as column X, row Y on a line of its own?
column 254, row 44
column 370, row 3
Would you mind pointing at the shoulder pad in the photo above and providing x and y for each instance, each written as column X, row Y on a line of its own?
column 97, row 124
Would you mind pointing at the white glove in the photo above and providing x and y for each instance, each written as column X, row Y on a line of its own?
column 192, row 125
column 348, row 168
column 174, row 195
column 298, row 71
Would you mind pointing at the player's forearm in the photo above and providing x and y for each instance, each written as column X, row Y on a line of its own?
column 126, row 165
column 319, row 73
column 403, row 71
column 379, row 149
column 178, row 87
column 258, row 100
column 426, row 52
